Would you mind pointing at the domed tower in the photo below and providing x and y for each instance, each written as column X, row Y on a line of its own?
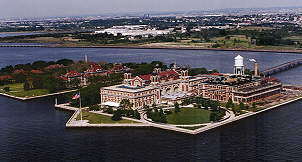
column 157, row 68
column 154, row 78
column 239, row 67
column 184, row 72
column 184, row 85
column 127, row 76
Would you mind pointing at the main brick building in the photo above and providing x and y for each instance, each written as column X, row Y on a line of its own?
column 158, row 87
column 172, row 86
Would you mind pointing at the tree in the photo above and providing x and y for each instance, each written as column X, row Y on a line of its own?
column 196, row 71
column 213, row 116
column 20, row 78
column 234, row 109
column 163, row 119
column 6, row 89
column 177, row 109
column 229, row 103
column 38, row 83
column 75, row 82
column 39, row 64
column 137, row 115
column 254, row 105
column 65, row 62
column 52, row 88
column 26, row 86
column 94, row 107
column 125, row 103
column 154, row 105
column 241, row 106
column 117, row 115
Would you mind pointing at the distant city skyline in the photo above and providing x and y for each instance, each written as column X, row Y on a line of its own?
column 12, row 9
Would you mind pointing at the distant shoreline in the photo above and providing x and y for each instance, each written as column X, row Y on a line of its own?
column 178, row 48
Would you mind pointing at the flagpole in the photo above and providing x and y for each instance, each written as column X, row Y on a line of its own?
column 80, row 107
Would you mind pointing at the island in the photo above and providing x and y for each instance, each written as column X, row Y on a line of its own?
column 174, row 100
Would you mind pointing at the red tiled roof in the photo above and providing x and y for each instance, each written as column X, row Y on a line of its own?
column 86, row 75
column 216, row 74
column 95, row 69
column 6, row 77
column 54, row 66
column 167, row 73
column 36, row 71
column 118, row 67
column 20, row 71
column 145, row 77
column 161, row 75
column 64, row 78
column 72, row 74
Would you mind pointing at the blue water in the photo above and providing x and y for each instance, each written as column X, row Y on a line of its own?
column 35, row 130
column 221, row 60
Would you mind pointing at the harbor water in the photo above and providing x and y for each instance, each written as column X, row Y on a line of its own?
column 35, row 130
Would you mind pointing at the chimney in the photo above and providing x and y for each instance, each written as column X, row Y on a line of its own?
column 256, row 69
column 86, row 58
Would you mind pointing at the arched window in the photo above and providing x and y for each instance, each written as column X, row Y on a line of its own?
column 137, row 83
column 175, row 89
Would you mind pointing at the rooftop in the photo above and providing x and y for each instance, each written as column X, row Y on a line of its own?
column 176, row 95
column 128, row 88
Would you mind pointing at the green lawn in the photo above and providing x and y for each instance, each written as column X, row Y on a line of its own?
column 98, row 119
column 17, row 90
column 189, row 116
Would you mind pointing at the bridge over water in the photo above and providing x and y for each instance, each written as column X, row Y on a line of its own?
column 282, row 67
column 21, row 45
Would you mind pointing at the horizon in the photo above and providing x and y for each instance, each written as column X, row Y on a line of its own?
column 72, row 8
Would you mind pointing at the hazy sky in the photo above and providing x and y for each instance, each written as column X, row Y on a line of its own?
column 49, row 8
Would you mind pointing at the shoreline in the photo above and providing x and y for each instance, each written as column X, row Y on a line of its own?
column 73, row 123
column 177, row 48
column 35, row 97
column 166, row 47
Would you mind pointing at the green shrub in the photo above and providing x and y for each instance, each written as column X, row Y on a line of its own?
column 137, row 115
column 26, row 86
column 117, row 115
column 109, row 110
column 94, row 107
column 6, row 89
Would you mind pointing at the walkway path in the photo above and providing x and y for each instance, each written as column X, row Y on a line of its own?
column 145, row 122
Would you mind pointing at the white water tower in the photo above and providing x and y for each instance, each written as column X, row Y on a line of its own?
column 239, row 67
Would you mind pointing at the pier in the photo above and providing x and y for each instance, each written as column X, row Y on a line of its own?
column 282, row 67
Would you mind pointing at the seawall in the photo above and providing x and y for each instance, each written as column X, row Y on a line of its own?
column 35, row 97
column 72, row 122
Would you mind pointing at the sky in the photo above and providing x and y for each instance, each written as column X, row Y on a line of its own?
column 55, row 8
